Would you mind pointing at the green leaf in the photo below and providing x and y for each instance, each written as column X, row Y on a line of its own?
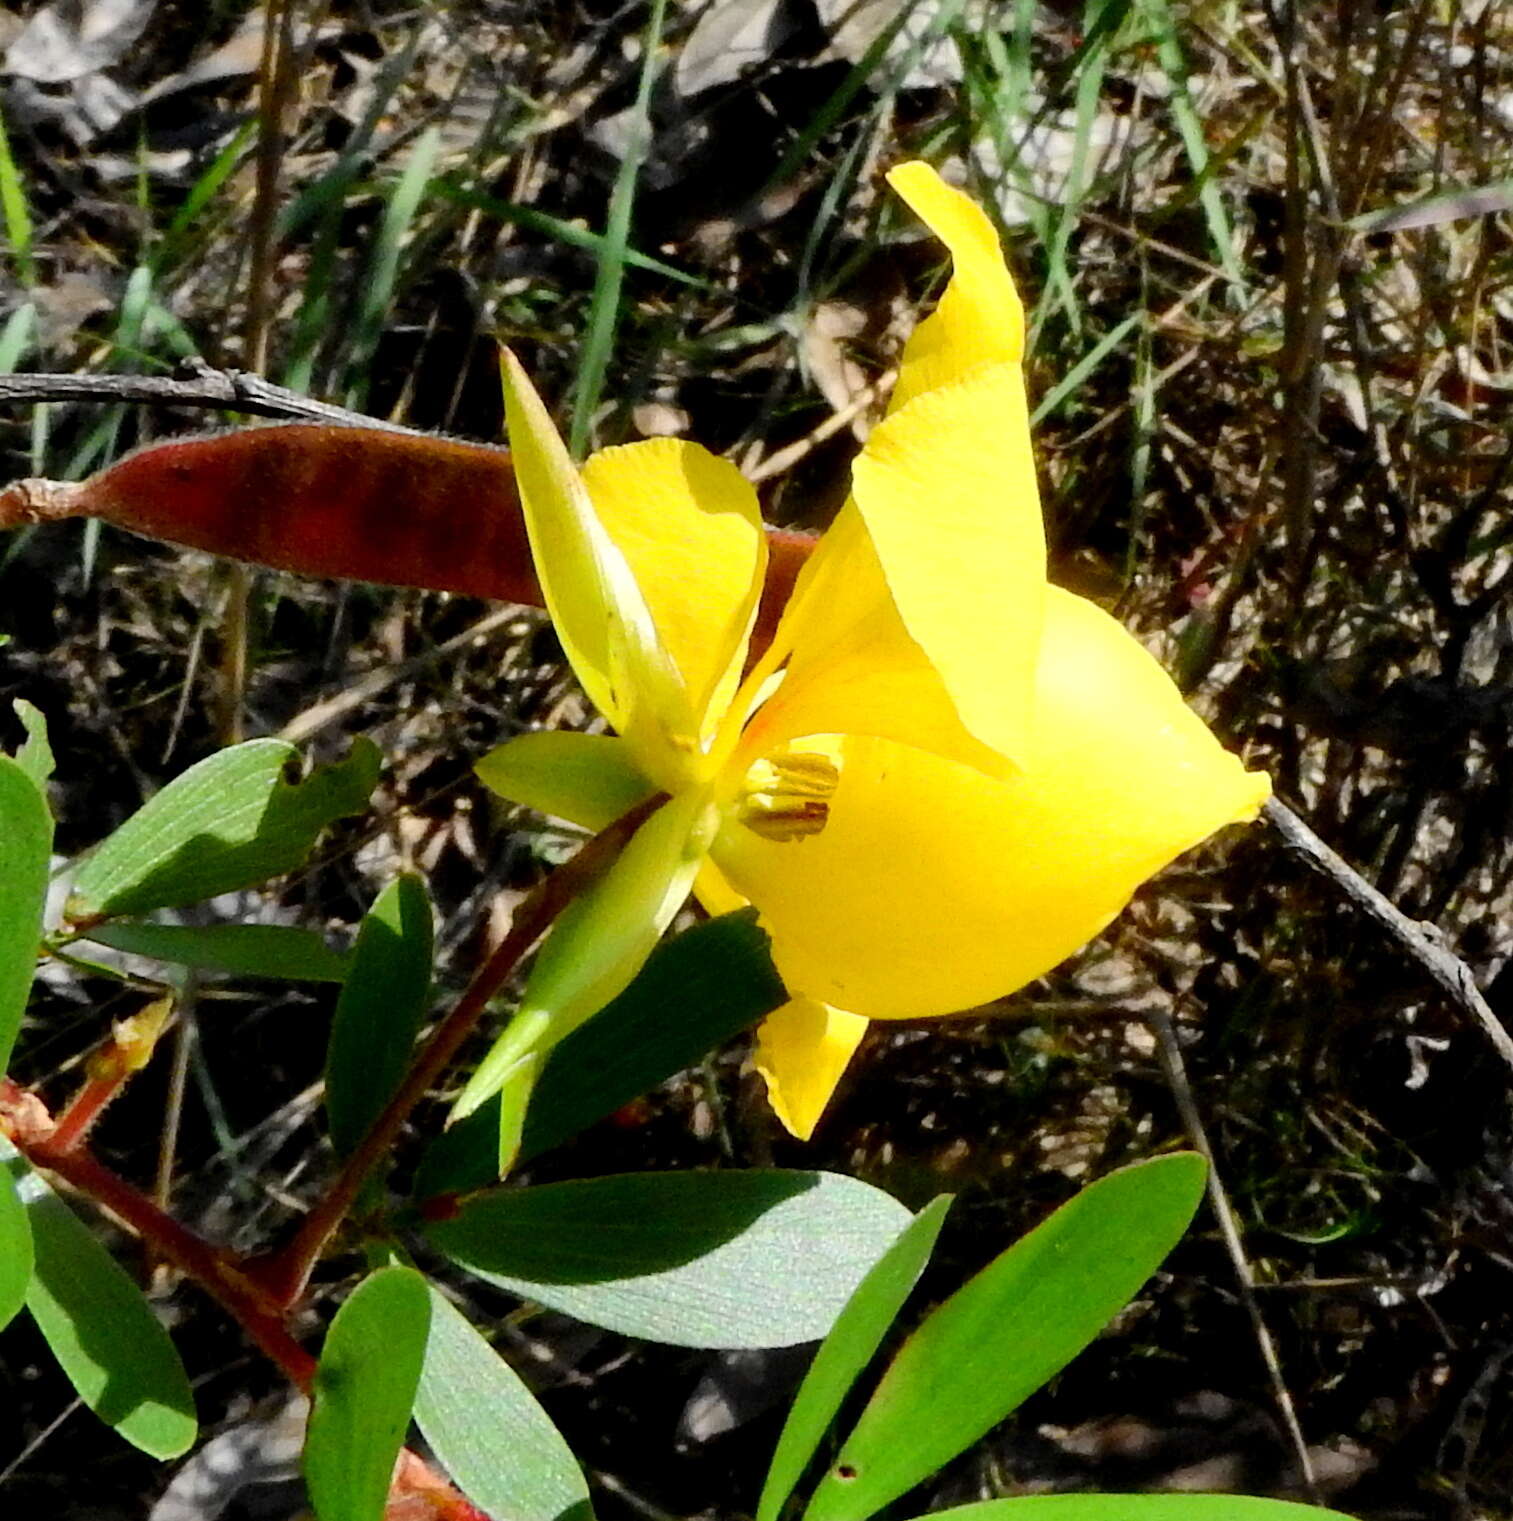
column 15, row 1251
column 233, row 820
column 852, row 1343
column 236, row 950
column 695, row 1259
column 26, row 839
column 1018, row 1322
column 491, row 1436
column 35, row 757
column 380, row 1010
column 718, row 976
column 1137, row 1508
column 363, row 1392
column 100, row 1328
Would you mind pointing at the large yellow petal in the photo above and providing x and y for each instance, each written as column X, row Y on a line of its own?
column 591, row 592
column 933, row 887
column 979, row 319
column 854, row 668
column 932, row 579
column 946, row 487
column 802, row 1052
column 587, row 779
column 690, row 527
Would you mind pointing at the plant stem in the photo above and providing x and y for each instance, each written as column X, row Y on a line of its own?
column 283, row 1275
column 215, row 1270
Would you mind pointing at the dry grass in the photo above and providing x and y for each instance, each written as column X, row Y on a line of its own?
column 1269, row 246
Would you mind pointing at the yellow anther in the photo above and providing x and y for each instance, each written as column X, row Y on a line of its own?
column 787, row 797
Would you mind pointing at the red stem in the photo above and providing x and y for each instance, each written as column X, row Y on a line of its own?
column 283, row 1275
column 83, row 1110
column 215, row 1270
column 258, row 1293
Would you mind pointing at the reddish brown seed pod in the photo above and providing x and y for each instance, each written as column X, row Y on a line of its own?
column 357, row 504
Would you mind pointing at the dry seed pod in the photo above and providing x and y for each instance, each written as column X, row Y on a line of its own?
column 357, row 504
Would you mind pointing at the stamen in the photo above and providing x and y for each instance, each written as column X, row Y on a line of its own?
column 787, row 797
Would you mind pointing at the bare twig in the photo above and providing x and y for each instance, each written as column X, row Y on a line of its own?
column 1422, row 941
column 199, row 386
column 322, row 714
column 1218, row 1199
column 785, row 459
column 275, row 96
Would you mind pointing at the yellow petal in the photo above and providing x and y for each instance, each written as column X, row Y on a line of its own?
column 918, row 617
column 802, row 1051
column 598, row 945
column 946, row 487
column 714, row 893
column 979, row 319
column 596, row 605
column 690, row 527
column 933, row 887
column 587, row 779
column 853, row 667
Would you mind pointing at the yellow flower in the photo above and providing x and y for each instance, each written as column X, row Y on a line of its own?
column 942, row 777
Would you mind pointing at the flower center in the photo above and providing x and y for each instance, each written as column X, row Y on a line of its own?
column 787, row 797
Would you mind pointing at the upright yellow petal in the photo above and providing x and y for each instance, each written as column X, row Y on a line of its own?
column 933, row 887
column 803, row 1049
column 690, row 527
column 946, row 487
column 932, row 577
column 854, row 668
column 596, row 605
column 587, row 779
column 979, row 319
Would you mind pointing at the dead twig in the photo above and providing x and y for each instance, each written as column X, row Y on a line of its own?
column 1192, row 1121
column 199, row 386
column 1422, row 941
column 322, row 714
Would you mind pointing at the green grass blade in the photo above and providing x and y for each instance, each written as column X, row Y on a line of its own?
column 604, row 307
column 201, row 193
column 1101, row 19
column 569, row 233
column 380, row 279
column 16, row 337
column 1085, row 366
column 15, row 212
column 1158, row 15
